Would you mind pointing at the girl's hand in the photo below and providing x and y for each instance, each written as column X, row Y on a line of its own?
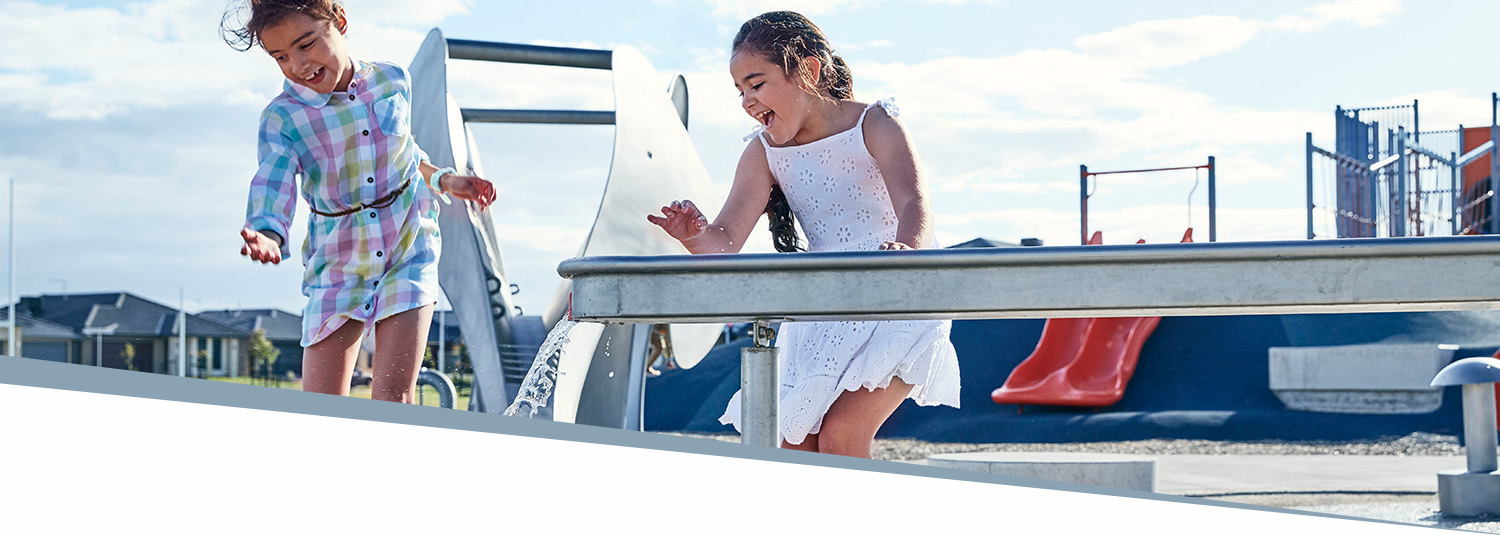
column 259, row 247
column 895, row 246
column 468, row 187
column 683, row 220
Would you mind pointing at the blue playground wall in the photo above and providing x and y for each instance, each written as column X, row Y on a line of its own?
column 1197, row 378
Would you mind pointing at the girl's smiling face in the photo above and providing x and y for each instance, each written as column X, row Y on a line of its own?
column 310, row 51
column 779, row 102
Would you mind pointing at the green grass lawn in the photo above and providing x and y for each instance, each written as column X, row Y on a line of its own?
column 428, row 396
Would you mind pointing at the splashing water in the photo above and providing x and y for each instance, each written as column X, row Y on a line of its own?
column 536, row 389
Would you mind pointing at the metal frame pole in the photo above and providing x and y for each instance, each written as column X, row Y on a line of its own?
column 760, row 404
column 1213, row 203
column 1416, row 123
column 1310, row 206
column 1083, row 204
column 1399, row 216
column 1494, row 225
column 1453, row 213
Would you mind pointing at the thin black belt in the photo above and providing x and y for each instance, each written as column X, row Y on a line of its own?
column 382, row 202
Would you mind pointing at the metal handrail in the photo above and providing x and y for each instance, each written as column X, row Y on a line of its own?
column 481, row 115
column 1033, row 256
column 530, row 54
column 1304, row 276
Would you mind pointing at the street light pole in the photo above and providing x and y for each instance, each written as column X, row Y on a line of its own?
column 181, row 333
column 10, row 292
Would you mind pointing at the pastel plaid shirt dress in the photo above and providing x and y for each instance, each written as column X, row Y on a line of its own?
column 351, row 149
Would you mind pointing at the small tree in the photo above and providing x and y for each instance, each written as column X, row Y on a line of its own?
column 127, row 354
column 202, row 363
column 262, row 353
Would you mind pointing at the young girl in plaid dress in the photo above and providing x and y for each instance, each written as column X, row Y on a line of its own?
column 371, row 253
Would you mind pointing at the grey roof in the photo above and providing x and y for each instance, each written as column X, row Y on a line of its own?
column 129, row 314
column 981, row 242
column 279, row 325
column 38, row 328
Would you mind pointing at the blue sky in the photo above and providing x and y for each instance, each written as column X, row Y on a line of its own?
column 129, row 127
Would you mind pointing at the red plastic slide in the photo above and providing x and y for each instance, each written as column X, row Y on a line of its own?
column 1082, row 362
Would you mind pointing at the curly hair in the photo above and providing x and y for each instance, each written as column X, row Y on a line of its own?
column 242, row 33
column 785, row 38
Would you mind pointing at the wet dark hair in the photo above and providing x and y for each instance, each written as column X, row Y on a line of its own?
column 785, row 38
column 783, row 234
column 243, row 34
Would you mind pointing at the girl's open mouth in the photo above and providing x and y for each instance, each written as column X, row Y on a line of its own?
column 766, row 118
column 317, row 77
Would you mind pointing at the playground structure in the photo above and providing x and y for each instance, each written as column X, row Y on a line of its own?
column 1385, row 177
column 1084, row 194
column 653, row 163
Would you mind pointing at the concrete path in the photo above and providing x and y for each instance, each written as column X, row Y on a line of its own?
column 1381, row 487
column 1207, row 475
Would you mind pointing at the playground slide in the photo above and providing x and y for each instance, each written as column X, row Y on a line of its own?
column 654, row 162
column 1081, row 362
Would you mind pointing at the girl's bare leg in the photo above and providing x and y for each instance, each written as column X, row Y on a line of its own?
column 328, row 364
column 808, row 444
column 399, row 344
column 850, row 425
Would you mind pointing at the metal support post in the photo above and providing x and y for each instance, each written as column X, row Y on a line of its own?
column 1083, row 204
column 759, row 391
column 1399, row 215
column 1479, row 427
column 1310, row 206
column 1494, row 226
column 1213, row 203
column 1455, row 198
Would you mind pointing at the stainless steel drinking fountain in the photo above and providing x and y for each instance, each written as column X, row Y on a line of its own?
column 1476, row 491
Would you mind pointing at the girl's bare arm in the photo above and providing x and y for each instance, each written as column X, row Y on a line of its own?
column 897, row 158
column 747, row 201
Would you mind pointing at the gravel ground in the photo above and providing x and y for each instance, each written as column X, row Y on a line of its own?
column 1405, row 507
column 905, row 449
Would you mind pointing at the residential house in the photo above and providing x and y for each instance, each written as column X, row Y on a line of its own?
column 283, row 329
column 103, row 323
column 39, row 339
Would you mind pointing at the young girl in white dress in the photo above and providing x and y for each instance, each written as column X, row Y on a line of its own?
column 848, row 171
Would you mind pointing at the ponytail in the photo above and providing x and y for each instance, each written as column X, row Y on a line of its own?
column 779, row 212
column 837, row 81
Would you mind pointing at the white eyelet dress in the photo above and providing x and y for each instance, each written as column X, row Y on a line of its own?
column 838, row 194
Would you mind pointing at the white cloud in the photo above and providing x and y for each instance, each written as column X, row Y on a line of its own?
column 1361, row 12
column 1166, row 43
column 166, row 53
column 405, row 13
column 741, row 10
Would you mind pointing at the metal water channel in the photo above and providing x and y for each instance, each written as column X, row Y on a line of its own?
column 1323, row 276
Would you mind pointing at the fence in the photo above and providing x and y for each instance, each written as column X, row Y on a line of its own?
column 1387, row 178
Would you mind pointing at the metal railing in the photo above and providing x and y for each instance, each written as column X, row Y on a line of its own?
column 533, row 55
column 1357, row 275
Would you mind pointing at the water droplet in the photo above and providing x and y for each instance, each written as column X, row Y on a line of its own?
column 611, row 374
